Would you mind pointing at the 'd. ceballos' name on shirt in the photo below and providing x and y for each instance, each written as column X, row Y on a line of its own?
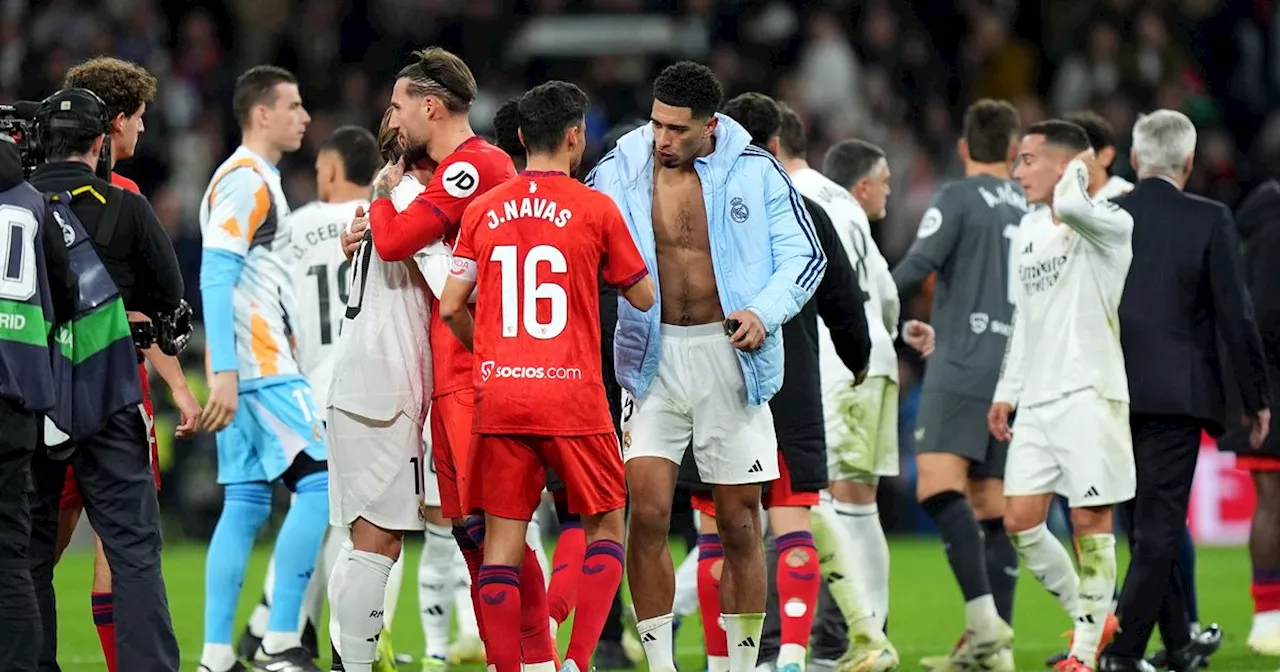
column 529, row 207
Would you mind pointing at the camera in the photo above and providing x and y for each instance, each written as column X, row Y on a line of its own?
column 169, row 330
column 28, row 124
column 18, row 121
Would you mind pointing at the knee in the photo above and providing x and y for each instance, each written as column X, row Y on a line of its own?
column 650, row 520
column 248, row 503
column 739, row 531
column 1017, row 522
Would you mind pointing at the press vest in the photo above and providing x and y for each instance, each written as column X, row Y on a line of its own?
column 26, row 308
column 97, row 365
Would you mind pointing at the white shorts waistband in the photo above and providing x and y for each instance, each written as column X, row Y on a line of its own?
column 698, row 331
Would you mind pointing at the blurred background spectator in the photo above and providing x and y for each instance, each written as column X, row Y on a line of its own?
column 896, row 73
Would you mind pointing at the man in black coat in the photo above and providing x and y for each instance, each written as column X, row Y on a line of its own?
column 1258, row 219
column 1184, row 289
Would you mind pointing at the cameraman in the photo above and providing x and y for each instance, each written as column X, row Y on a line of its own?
column 126, row 88
column 113, row 467
column 26, row 391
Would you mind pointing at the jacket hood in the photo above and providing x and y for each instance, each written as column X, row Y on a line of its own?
column 10, row 166
column 1259, row 209
column 635, row 151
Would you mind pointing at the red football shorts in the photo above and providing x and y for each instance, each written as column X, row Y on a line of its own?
column 1258, row 462
column 778, row 494
column 71, row 498
column 511, row 476
column 451, row 416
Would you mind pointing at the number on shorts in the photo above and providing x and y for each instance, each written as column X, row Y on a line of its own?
column 628, row 407
column 363, row 257
column 18, row 227
column 508, row 258
column 417, row 475
column 1011, row 232
column 301, row 396
column 859, row 240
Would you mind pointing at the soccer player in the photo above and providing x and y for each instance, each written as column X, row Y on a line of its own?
column 430, row 105
column 802, row 456
column 1065, row 374
column 534, row 247
column 703, row 366
column 964, row 238
column 126, row 88
column 345, row 166
column 1102, row 138
column 861, row 420
column 376, row 411
column 259, row 403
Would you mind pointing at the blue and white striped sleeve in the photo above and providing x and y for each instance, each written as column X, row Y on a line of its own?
column 798, row 259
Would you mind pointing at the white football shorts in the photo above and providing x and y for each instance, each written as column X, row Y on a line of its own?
column 1078, row 446
column 699, row 396
column 377, row 471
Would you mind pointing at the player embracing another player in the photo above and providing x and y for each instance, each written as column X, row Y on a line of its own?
column 535, row 247
column 1064, row 372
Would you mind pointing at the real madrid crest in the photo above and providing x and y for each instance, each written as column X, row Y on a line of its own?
column 422, row 510
column 626, row 441
column 738, row 210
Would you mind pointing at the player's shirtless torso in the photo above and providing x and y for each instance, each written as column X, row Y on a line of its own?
column 686, row 277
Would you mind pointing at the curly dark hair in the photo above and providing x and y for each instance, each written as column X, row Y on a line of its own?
column 990, row 128
column 757, row 113
column 1100, row 133
column 691, row 85
column 123, row 85
column 506, row 128
column 549, row 110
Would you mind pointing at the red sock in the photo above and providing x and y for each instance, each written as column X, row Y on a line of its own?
column 710, row 554
column 601, row 576
column 104, row 618
column 797, row 586
column 474, row 557
column 499, row 605
column 566, row 572
column 1266, row 590
column 535, row 633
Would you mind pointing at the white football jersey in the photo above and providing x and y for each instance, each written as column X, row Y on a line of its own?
column 321, row 281
column 1114, row 186
column 882, row 307
column 1070, row 277
column 244, row 213
column 382, row 363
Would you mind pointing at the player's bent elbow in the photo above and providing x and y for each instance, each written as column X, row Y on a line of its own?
column 641, row 295
column 450, row 310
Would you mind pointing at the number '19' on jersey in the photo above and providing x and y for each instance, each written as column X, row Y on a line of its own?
column 541, row 243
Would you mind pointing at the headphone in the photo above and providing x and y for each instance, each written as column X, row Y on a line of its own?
column 75, row 109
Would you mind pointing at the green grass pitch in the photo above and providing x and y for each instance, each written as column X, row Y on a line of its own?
column 925, row 617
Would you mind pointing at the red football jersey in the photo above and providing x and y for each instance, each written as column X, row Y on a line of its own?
column 472, row 169
column 541, row 243
column 124, row 183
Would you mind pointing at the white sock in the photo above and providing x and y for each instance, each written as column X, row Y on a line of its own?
column 792, row 654
column 980, row 615
column 743, row 631
column 318, row 589
column 655, row 636
column 360, row 608
column 533, row 536
column 686, row 597
column 336, row 578
column 262, row 611
column 834, row 555
column 436, row 581
column 871, row 551
column 391, row 598
column 218, row 657
column 1047, row 560
column 1097, row 584
column 717, row 663
column 279, row 642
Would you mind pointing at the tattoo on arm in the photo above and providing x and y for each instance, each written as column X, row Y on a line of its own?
column 382, row 189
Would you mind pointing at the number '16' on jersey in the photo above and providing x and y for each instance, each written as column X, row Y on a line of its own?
column 541, row 243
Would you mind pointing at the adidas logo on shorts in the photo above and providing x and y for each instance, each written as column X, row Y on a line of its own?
column 755, row 468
